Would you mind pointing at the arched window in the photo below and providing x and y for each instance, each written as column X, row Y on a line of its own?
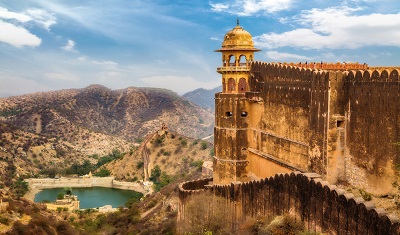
column 242, row 85
column 231, row 85
column 232, row 60
column 242, row 60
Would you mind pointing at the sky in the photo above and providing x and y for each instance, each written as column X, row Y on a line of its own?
column 60, row 44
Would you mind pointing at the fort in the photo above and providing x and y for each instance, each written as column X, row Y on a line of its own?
column 285, row 133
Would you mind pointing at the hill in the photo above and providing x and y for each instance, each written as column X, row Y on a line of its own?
column 203, row 98
column 76, row 130
column 128, row 113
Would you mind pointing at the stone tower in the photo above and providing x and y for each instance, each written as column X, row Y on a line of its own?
column 231, row 121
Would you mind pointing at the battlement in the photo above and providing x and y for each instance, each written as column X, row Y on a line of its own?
column 329, row 65
column 306, row 72
column 322, row 207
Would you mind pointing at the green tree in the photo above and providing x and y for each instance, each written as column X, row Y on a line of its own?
column 20, row 187
column 103, row 172
column 60, row 196
column 155, row 174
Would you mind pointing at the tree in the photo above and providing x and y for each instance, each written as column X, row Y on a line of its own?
column 155, row 174
column 60, row 196
column 103, row 172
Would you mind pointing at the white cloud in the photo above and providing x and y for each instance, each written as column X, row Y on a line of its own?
column 251, row 7
column 105, row 62
column 42, row 17
column 215, row 39
column 170, row 82
column 12, row 24
column 82, row 58
column 17, row 36
column 70, row 46
column 275, row 55
column 8, row 15
column 334, row 28
column 219, row 7
column 61, row 77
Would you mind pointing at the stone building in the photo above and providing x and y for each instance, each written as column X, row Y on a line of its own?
column 340, row 120
column 286, row 133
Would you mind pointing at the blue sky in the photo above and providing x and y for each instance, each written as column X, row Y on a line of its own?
column 59, row 44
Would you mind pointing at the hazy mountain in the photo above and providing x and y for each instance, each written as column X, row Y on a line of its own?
column 203, row 98
column 129, row 113
column 53, row 130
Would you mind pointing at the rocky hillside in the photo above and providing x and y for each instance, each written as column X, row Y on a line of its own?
column 203, row 98
column 171, row 154
column 129, row 113
column 62, row 132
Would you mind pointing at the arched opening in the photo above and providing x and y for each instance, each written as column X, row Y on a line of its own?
column 242, row 85
column 232, row 60
column 231, row 85
column 242, row 60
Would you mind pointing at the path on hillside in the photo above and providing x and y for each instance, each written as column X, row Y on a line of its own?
column 207, row 137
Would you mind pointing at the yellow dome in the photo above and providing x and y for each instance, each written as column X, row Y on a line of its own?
column 238, row 39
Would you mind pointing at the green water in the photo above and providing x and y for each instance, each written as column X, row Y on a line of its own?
column 90, row 197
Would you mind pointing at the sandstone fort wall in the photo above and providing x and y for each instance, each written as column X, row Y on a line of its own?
column 340, row 124
column 319, row 205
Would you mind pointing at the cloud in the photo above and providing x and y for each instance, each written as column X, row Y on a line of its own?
column 8, row 15
column 82, row 58
column 105, row 62
column 336, row 28
column 61, row 77
column 42, row 17
column 14, row 24
column 17, row 36
column 185, row 83
column 70, row 46
column 251, row 7
column 275, row 55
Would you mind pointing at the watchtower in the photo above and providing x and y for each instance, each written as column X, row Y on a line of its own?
column 230, row 162
column 237, row 53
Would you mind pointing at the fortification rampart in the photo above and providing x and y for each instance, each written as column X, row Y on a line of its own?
column 342, row 124
column 320, row 206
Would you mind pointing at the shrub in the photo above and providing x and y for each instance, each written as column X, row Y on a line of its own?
column 365, row 195
column 183, row 143
column 139, row 164
column 60, row 196
column 4, row 220
column 204, row 145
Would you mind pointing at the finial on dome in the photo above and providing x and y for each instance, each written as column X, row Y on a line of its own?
column 237, row 21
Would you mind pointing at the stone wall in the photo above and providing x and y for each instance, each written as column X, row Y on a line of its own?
column 107, row 182
column 342, row 124
column 320, row 206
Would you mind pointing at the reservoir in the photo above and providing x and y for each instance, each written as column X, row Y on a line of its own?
column 90, row 197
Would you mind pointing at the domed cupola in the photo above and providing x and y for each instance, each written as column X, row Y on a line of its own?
column 237, row 54
column 238, row 39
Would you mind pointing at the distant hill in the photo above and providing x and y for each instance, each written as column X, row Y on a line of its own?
column 203, row 98
column 53, row 130
column 129, row 113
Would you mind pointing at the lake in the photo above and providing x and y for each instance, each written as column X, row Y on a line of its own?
column 90, row 197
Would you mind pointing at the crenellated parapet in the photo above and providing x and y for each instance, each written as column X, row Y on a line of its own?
column 327, row 65
column 322, row 207
column 376, row 75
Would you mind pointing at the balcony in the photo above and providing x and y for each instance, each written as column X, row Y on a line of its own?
column 233, row 69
